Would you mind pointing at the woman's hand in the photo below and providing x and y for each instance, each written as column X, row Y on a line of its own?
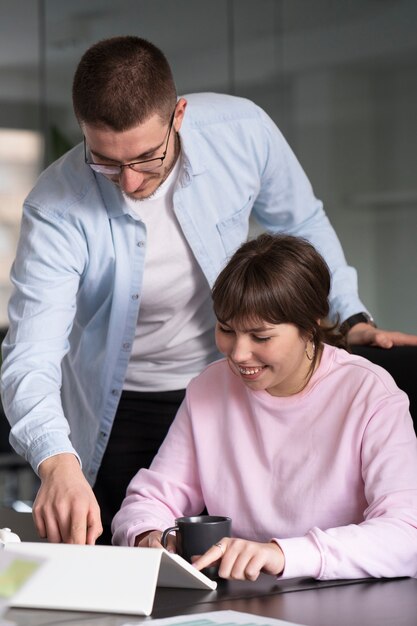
column 152, row 539
column 243, row 560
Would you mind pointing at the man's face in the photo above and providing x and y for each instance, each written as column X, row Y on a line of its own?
column 146, row 141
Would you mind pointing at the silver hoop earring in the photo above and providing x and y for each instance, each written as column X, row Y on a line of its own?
column 313, row 350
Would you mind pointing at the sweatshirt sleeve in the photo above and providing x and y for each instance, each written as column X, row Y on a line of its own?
column 170, row 488
column 384, row 544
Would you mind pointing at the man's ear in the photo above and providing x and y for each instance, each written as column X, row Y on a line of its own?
column 179, row 113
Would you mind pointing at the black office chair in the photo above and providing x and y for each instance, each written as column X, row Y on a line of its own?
column 401, row 363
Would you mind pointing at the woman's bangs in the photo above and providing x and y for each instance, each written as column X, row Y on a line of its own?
column 248, row 306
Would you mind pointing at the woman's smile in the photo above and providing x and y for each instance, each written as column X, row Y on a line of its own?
column 266, row 357
column 250, row 372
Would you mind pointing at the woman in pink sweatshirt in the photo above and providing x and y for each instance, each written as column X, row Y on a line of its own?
column 310, row 450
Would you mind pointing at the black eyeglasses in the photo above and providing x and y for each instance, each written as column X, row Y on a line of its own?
column 138, row 166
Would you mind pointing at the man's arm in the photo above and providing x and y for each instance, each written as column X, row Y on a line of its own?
column 286, row 203
column 360, row 329
column 65, row 509
column 366, row 334
column 46, row 275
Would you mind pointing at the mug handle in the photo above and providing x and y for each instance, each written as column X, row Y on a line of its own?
column 166, row 533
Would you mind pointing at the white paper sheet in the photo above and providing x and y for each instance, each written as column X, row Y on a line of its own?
column 15, row 571
column 218, row 618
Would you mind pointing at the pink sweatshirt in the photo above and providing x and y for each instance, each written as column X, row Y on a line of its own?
column 330, row 473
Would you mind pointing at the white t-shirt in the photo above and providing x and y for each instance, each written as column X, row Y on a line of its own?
column 174, row 337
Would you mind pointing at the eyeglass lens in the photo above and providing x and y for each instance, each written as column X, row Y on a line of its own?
column 140, row 166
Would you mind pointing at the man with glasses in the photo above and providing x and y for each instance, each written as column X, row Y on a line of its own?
column 120, row 241
column 152, row 164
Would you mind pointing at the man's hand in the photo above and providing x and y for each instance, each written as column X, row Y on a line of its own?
column 243, row 560
column 65, row 509
column 365, row 334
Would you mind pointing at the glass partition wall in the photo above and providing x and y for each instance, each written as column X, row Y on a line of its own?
column 339, row 78
column 21, row 145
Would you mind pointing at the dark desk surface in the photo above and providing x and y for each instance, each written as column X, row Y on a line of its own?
column 364, row 603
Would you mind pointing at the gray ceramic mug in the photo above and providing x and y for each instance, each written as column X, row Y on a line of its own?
column 195, row 535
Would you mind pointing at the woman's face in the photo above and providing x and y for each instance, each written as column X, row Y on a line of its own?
column 266, row 356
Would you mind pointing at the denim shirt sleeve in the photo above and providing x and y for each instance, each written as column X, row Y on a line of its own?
column 286, row 203
column 46, row 274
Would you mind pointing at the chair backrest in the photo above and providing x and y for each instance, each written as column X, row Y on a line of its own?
column 401, row 363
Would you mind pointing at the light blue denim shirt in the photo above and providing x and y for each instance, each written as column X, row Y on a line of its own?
column 79, row 268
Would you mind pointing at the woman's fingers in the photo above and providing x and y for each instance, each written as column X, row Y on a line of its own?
column 242, row 560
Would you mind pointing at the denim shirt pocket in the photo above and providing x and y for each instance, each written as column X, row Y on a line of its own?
column 234, row 229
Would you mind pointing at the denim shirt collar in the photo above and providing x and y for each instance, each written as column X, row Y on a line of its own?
column 193, row 160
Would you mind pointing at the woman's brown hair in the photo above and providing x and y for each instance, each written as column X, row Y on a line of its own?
column 277, row 279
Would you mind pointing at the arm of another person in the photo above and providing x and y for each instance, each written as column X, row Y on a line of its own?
column 65, row 509
column 45, row 274
column 286, row 203
column 365, row 334
column 170, row 488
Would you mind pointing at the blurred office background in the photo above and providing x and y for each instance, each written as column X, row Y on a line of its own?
column 339, row 77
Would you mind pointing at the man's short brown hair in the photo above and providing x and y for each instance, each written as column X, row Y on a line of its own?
column 121, row 82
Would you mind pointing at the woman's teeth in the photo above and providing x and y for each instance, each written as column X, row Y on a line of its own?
column 247, row 371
